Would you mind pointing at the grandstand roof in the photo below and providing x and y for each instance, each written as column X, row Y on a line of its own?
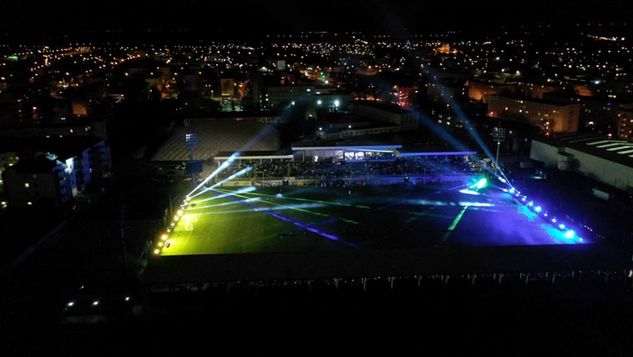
column 215, row 135
column 255, row 155
column 385, row 139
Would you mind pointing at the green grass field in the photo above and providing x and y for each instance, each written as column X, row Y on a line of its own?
column 267, row 220
column 255, row 222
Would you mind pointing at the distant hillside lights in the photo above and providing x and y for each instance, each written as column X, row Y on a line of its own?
column 446, row 49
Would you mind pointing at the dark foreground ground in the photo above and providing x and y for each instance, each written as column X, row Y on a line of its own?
column 580, row 314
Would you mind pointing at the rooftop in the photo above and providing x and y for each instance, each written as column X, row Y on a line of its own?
column 36, row 165
column 254, row 153
column 63, row 147
column 550, row 100
column 382, row 106
column 619, row 151
column 216, row 135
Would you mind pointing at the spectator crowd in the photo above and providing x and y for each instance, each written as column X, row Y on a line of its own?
column 422, row 166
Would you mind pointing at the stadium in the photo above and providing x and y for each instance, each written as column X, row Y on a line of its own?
column 358, row 211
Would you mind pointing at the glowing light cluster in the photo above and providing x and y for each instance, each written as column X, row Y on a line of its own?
column 480, row 184
column 538, row 209
column 163, row 237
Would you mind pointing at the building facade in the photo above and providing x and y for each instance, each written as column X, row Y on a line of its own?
column 625, row 125
column 402, row 118
column 50, row 179
column 605, row 160
column 549, row 116
column 281, row 96
column 37, row 182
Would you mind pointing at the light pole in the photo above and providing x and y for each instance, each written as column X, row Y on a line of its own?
column 498, row 135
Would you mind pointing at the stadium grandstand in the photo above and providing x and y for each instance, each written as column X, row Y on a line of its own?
column 359, row 207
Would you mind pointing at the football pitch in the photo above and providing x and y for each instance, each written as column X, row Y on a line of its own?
column 250, row 220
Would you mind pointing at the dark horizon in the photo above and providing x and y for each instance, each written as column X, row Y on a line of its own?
column 250, row 20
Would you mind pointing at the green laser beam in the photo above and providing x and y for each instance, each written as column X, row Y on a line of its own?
column 457, row 219
column 454, row 224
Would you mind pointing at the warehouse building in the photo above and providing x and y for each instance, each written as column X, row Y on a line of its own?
column 602, row 159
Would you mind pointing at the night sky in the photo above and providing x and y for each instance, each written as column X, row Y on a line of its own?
column 248, row 18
